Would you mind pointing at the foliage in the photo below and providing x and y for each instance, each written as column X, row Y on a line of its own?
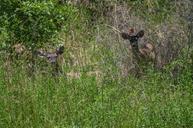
column 33, row 22
column 89, row 32
column 50, row 102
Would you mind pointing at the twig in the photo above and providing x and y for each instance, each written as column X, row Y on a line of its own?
column 113, row 28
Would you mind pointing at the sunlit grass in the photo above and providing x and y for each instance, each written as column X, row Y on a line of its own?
column 61, row 102
column 156, row 99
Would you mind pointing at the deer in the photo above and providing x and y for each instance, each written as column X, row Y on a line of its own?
column 142, row 54
column 54, row 58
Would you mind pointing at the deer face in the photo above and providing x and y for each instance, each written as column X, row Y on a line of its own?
column 60, row 50
column 133, row 38
column 145, row 51
column 51, row 56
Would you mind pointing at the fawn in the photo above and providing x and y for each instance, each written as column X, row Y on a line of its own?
column 142, row 54
column 53, row 58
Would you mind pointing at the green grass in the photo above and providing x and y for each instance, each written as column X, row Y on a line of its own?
column 156, row 100
column 152, row 102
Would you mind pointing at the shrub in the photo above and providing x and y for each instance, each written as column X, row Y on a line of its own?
column 32, row 22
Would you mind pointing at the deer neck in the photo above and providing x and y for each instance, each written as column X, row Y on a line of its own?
column 135, row 48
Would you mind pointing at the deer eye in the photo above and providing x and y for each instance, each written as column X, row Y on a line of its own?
column 134, row 39
column 134, row 45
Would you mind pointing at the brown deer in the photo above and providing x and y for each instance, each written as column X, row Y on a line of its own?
column 141, row 54
column 53, row 58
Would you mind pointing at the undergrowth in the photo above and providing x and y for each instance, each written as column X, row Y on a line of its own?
column 156, row 99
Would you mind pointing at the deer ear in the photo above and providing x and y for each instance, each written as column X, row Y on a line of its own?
column 140, row 34
column 60, row 50
column 125, row 35
column 131, row 31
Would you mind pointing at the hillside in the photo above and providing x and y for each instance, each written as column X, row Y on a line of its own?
column 89, row 63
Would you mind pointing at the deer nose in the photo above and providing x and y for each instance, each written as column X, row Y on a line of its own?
column 133, row 45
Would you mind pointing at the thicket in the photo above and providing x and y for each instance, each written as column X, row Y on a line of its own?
column 33, row 23
column 88, row 29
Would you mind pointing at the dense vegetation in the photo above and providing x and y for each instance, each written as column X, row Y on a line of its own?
column 98, row 86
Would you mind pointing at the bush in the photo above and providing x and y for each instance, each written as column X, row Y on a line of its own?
column 32, row 22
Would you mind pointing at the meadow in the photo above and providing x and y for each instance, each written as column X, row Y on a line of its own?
column 97, row 86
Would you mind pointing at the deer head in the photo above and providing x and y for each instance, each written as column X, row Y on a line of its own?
column 145, row 51
column 51, row 56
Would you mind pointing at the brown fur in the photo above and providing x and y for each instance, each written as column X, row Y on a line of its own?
column 141, row 52
column 148, row 51
column 55, row 57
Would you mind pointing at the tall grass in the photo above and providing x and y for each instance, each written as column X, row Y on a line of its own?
column 47, row 102
column 157, row 99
